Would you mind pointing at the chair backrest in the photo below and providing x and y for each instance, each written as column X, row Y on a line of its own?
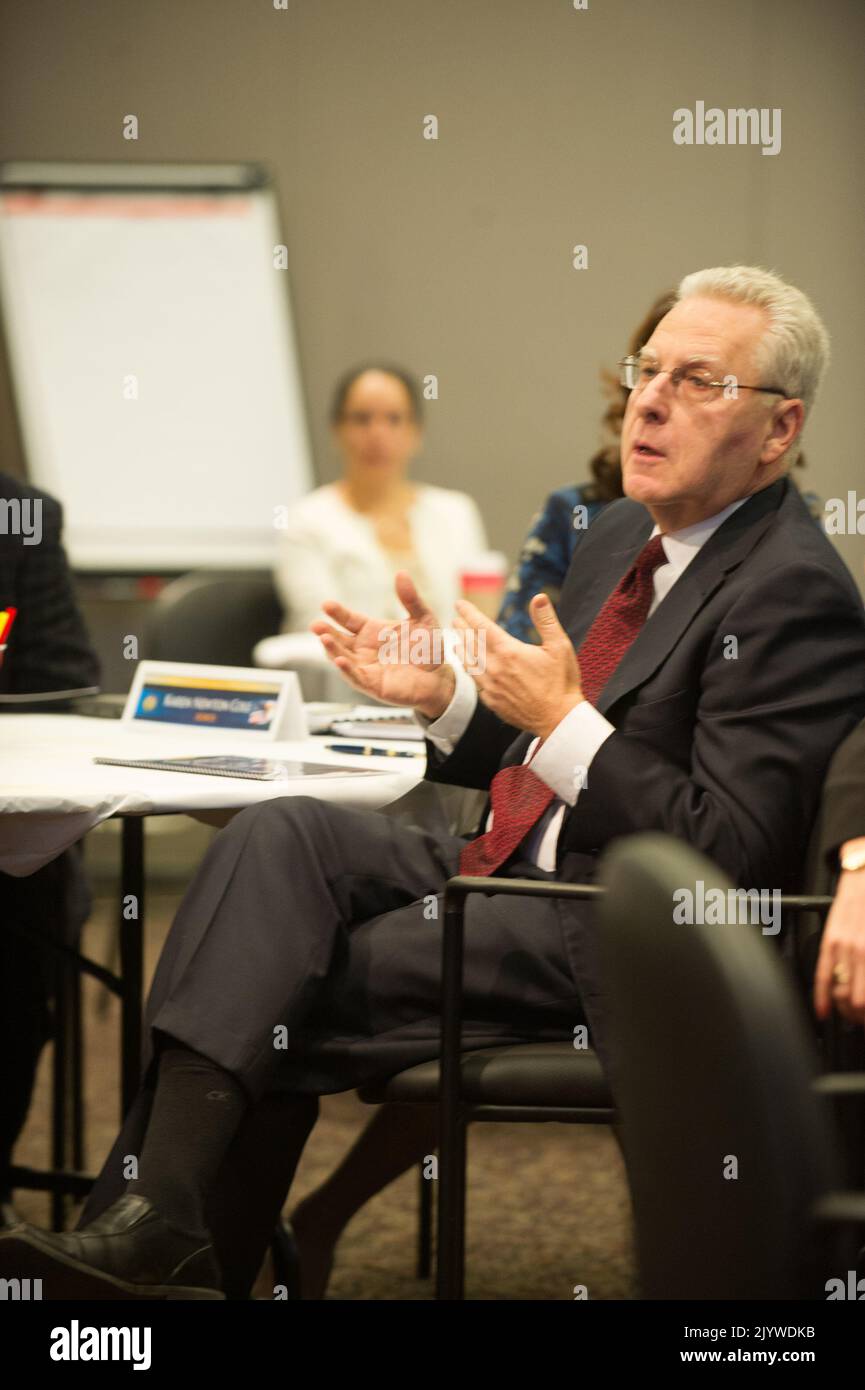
column 214, row 616
column 728, row 1148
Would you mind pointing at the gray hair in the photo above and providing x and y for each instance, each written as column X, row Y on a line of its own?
column 794, row 351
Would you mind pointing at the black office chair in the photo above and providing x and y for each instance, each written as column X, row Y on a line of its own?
column 548, row 1081
column 527, row 1083
column 213, row 616
column 732, row 1153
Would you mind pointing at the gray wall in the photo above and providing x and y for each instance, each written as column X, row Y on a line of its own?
column 455, row 256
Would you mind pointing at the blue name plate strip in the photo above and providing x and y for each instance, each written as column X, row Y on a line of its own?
column 209, row 704
column 230, row 698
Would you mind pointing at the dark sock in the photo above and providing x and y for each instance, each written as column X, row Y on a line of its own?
column 249, row 1193
column 197, row 1108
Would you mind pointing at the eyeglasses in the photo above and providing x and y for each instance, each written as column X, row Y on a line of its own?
column 691, row 383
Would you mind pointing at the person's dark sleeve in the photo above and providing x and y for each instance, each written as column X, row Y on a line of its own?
column 844, row 796
column 49, row 648
column 766, row 727
column 476, row 757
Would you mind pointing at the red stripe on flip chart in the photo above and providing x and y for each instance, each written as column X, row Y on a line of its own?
column 54, row 205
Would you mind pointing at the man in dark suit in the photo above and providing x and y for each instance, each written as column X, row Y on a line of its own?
column 48, row 650
column 707, row 658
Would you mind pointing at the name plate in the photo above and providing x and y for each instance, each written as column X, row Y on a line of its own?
column 263, row 705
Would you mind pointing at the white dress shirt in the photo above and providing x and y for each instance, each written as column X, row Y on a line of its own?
column 566, row 756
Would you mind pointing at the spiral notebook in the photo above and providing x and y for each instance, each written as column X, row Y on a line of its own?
column 378, row 721
column 256, row 769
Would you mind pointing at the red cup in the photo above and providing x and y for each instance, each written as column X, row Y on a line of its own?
column 482, row 581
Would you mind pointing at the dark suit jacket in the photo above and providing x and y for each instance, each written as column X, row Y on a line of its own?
column 726, row 754
column 48, row 650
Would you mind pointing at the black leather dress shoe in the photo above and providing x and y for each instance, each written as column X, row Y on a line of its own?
column 129, row 1252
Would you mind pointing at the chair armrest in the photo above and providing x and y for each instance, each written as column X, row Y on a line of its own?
column 451, row 1128
column 463, row 884
column 457, row 890
column 840, row 1208
column 838, row 1085
column 806, row 902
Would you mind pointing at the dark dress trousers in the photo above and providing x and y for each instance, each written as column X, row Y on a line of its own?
column 48, row 650
column 317, row 928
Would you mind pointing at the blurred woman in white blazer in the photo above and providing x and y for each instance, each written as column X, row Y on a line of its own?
column 347, row 539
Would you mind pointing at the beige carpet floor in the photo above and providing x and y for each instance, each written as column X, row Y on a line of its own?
column 547, row 1204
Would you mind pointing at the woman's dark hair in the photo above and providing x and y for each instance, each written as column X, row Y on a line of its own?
column 606, row 466
column 345, row 383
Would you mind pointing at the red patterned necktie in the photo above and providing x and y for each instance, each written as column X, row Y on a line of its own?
column 619, row 621
column 519, row 797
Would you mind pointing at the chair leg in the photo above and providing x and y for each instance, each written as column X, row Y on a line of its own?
column 77, row 1071
column 130, row 931
column 452, row 1213
column 60, row 1085
column 424, row 1229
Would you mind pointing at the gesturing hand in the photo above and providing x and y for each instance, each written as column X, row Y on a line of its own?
column 530, row 687
column 401, row 663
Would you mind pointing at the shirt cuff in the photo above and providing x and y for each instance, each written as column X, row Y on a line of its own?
column 445, row 732
column 563, row 760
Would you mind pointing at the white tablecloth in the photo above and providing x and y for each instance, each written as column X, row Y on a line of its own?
column 52, row 793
